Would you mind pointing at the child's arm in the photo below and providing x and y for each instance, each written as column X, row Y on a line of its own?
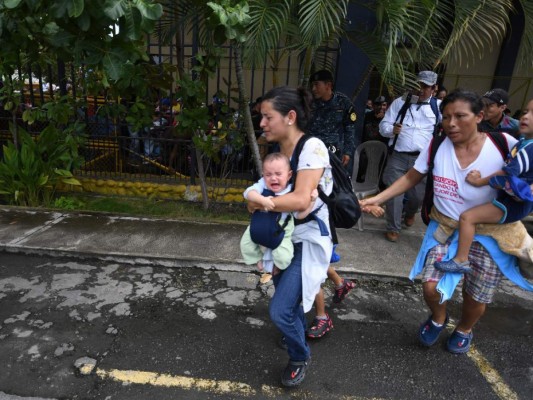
column 266, row 202
column 475, row 179
column 303, row 214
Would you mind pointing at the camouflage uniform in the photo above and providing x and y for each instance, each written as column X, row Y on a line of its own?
column 333, row 122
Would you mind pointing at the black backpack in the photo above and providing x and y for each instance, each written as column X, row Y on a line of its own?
column 342, row 203
column 499, row 140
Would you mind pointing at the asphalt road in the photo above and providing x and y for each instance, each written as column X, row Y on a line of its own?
column 186, row 333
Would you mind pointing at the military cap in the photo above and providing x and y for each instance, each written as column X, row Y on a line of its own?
column 322, row 75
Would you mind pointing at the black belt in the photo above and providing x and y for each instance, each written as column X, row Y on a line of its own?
column 409, row 153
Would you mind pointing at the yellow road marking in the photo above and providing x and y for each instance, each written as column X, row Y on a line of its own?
column 228, row 387
column 206, row 385
column 488, row 372
column 185, row 382
column 491, row 375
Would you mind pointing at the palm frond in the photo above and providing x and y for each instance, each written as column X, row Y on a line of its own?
column 525, row 55
column 267, row 25
column 477, row 26
column 318, row 19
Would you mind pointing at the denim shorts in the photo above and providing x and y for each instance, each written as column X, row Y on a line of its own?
column 481, row 283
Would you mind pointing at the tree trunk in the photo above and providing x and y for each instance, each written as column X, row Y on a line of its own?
column 201, row 175
column 250, row 133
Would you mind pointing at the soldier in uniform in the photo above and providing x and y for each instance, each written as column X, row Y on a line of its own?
column 333, row 117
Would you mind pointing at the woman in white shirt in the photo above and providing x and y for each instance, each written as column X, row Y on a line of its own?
column 285, row 113
column 464, row 149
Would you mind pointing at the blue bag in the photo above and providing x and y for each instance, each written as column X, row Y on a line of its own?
column 266, row 228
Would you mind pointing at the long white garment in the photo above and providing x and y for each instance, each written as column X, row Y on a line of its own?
column 316, row 249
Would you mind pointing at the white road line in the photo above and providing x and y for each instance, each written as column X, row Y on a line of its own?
column 47, row 225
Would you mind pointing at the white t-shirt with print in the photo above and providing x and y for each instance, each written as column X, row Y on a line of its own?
column 452, row 194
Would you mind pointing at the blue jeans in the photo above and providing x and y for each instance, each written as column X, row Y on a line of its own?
column 286, row 310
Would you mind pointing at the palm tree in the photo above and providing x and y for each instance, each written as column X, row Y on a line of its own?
column 402, row 36
column 406, row 35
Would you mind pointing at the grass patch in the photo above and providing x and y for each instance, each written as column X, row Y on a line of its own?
column 153, row 208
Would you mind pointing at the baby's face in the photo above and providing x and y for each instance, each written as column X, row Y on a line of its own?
column 526, row 121
column 276, row 174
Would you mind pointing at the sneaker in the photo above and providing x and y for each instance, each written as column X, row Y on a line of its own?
column 294, row 373
column 454, row 266
column 459, row 342
column 341, row 292
column 428, row 333
column 320, row 327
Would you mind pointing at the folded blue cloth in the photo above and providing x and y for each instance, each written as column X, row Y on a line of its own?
column 507, row 263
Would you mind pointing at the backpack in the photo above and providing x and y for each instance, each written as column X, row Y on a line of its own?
column 499, row 140
column 265, row 227
column 342, row 203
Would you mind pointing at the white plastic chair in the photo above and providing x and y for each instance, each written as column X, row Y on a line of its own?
column 376, row 154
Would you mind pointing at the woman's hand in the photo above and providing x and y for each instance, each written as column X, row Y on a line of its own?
column 474, row 178
column 376, row 211
column 371, row 206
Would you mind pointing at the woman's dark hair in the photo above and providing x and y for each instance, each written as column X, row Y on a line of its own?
column 474, row 99
column 285, row 99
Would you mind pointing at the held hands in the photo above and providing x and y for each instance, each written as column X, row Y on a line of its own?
column 474, row 178
column 371, row 207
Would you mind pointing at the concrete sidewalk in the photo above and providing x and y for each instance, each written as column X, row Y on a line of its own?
column 171, row 242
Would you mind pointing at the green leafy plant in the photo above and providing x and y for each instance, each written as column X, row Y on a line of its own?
column 68, row 203
column 29, row 175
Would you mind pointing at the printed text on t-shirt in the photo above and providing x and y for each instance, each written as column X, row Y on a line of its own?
column 446, row 189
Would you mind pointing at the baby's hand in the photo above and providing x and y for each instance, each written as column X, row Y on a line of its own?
column 474, row 177
column 376, row 211
column 267, row 203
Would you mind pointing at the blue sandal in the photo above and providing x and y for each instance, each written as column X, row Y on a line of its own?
column 459, row 342
column 453, row 266
column 428, row 333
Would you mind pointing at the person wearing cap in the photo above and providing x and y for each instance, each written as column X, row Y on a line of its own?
column 494, row 117
column 333, row 117
column 413, row 133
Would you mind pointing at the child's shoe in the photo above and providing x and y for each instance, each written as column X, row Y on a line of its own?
column 454, row 266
